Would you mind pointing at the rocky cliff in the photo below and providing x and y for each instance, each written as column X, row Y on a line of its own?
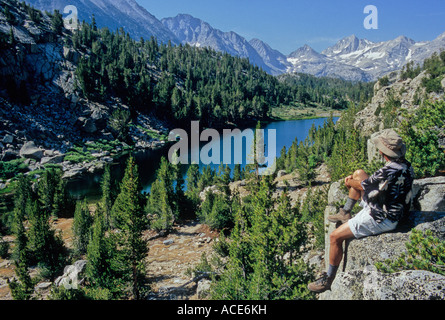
column 406, row 93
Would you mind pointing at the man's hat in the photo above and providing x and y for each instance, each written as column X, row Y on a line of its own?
column 390, row 143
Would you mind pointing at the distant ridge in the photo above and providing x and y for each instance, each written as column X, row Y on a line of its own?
column 350, row 58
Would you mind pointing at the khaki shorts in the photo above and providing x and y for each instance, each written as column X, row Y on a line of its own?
column 363, row 225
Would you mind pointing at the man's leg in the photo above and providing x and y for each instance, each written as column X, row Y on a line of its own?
column 337, row 237
column 354, row 195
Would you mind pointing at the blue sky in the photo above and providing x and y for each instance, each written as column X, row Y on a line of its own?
column 289, row 24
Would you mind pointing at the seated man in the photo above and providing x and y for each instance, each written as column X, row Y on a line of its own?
column 386, row 198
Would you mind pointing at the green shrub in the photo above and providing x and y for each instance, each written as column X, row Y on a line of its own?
column 421, row 131
column 216, row 211
column 384, row 81
column 9, row 169
column 424, row 252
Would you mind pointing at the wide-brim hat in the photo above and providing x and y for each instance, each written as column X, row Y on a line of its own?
column 390, row 143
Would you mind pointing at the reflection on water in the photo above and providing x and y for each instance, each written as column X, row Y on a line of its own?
column 88, row 186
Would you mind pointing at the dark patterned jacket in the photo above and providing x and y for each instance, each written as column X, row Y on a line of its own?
column 388, row 191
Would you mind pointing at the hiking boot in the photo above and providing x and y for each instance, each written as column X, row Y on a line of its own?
column 342, row 216
column 321, row 285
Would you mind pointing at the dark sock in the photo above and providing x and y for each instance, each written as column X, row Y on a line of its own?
column 332, row 271
column 349, row 205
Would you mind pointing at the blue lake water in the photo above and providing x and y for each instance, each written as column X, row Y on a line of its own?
column 148, row 161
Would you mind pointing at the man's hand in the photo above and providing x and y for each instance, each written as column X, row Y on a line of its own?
column 350, row 182
column 347, row 179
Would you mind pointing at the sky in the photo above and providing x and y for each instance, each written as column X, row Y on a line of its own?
column 287, row 25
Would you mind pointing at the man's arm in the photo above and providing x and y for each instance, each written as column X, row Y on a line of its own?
column 356, row 184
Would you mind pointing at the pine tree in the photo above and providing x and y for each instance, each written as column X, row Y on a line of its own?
column 107, row 196
column 47, row 247
column 161, row 207
column 179, row 195
column 131, row 221
column 22, row 197
column 57, row 22
column 53, row 195
column 102, row 271
column 81, row 227
column 192, row 179
column 237, row 174
column 24, row 287
column 265, row 256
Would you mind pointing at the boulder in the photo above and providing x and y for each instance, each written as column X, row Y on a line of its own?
column 30, row 150
column 74, row 172
column 428, row 194
column 369, row 284
column 203, row 288
column 358, row 278
column 8, row 139
column 86, row 124
column 53, row 160
column 337, row 193
column 373, row 152
column 281, row 173
column 71, row 275
column 100, row 118
column 404, row 285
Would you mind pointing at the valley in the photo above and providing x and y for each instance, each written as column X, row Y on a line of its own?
column 90, row 206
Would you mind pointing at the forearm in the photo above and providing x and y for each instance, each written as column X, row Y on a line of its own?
column 356, row 184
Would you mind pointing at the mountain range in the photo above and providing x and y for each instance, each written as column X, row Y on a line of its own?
column 350, row 58
column 114, row 14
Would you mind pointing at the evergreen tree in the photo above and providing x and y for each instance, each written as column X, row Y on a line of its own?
column 57, row 22
column 24, row 287
column 52, row 194
column 161, row 206
column 237, row 174
column 46, row 247
column 180, row 200
column 102, row 271
column 192, row 180
column 216, row 211
column 107, row 196
column 81, row 227
column 131, row 221
column 22, row 198
column 265, row 256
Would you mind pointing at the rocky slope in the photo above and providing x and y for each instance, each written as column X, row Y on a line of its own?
column 40, row 68
column 198, row 33
column 409, row 93
column 307, row 60
column 113, row 14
